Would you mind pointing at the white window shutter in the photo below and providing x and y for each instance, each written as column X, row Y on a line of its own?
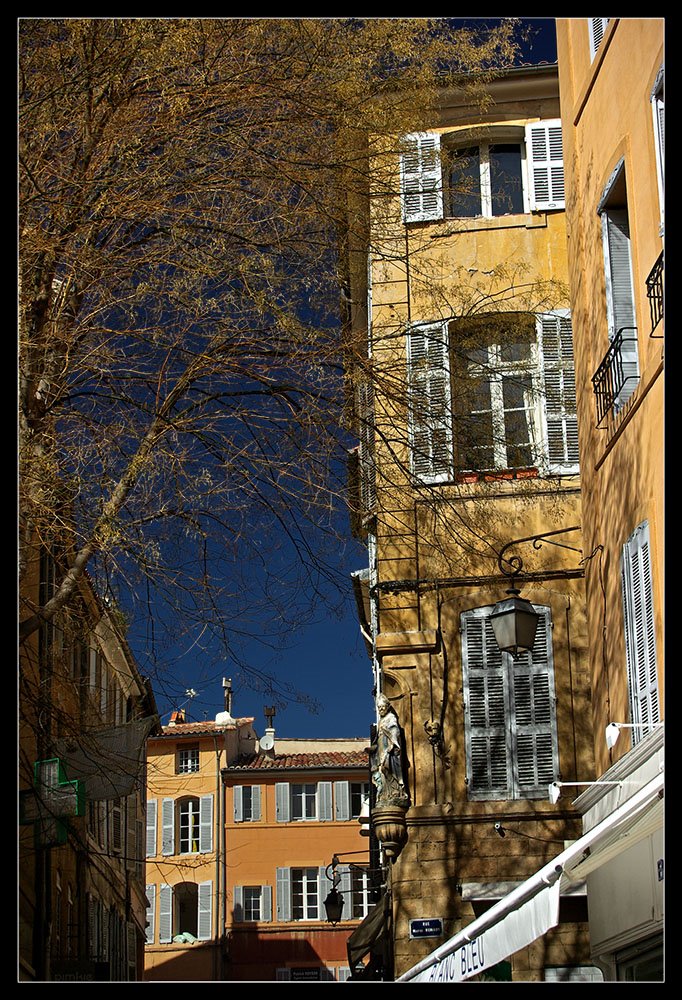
column 282, row 801
column 421, row 180
column 283, row 894
column 255, row 802
column 237, row 803
column 342, row 800
column 430, row 402
column 168, row 826
column 620, row 295
column 486, row 708
column 206, row 824
column 640, row 631
column 205, row 913
column 266, row 903
column 151, row 827
column 165, row 914
column 597, row 28
column 534, row 716
column 238, row 903
column 150, row 892
column 324, row 801
column 545, row 158
column 556, row 338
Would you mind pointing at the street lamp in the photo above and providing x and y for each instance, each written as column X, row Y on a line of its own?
column 333, row 904
column 514, row 620
column 613, row 730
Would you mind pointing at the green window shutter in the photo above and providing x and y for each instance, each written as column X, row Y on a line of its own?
column 165, row 914
column 421, row 180
column 429, row 402
column 283, row 894
column 282, row 801
column 545, row 157
column 205, row 911
column 558, row 364
column 237, row 803
column 640, row 634
column 150, row 892
column 342, row 800
column 206, row 824
column 168, row 826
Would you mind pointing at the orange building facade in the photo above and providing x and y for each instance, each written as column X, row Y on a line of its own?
column 291, row 809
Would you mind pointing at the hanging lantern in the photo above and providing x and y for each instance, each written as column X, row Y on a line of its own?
column 514, row 622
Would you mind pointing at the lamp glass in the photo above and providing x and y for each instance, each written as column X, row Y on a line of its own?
column 514, row 622
column 333, row 904
column 554, row 790
column 612, row 734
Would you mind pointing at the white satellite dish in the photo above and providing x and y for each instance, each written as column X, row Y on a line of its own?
column 267, row 742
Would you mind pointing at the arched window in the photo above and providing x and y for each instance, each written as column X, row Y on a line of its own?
column 186, row 901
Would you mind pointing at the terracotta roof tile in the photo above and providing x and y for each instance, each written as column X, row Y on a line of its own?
column 300, row 761
column 206, row 728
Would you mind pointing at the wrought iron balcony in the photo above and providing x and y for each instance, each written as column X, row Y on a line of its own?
column 615, row 379
column 654, row 291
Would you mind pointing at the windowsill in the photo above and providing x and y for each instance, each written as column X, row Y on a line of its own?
column 531, row 220
column 496, row 475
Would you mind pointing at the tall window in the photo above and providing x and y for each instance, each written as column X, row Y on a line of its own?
column 247, row 803
column 495, row 391
column 658, row 109
column 360, row 889
column 252, row 903
column 303, row 801
column 487, row 180
column 640, row 631
column 304, row 894
column 184, row 908
column 359, row 794
column 510, row 716
column 188, row 826
column 620, row 295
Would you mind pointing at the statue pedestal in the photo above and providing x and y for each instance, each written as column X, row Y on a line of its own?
column 390, row 828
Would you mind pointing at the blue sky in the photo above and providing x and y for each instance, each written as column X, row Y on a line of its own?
column 326, row 660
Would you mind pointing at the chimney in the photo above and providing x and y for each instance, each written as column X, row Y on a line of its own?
column 177, row 717
column 225, row 718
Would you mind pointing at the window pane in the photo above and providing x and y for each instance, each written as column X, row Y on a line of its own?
column 517, row 397
column 465, row 183
column 252, row 896
column 505, row 179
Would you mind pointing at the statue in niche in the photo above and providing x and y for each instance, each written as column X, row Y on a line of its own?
column 386, row 759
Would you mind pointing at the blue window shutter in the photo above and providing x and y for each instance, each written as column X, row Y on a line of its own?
column 150, row 892
column 238, row 903
column 152, row 809
column 266, row 903
column 545, row 157
column 168, row 826
column 324, row 800
column 165, row 914
column 205, row 914
column 255, row 802
column 283, row 894
column 237, row 802
column 282, row 801
column 342, row 800
column 206, row 824
column 421, row 178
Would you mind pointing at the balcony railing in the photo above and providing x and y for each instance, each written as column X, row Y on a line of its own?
column 654, row 291
column 615, row 379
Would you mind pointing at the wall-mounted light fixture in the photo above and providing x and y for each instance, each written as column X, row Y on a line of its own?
column 613, row 730
column 514, row 620
column 554, row 788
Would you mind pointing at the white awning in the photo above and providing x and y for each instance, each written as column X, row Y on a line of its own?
column 533, row 907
